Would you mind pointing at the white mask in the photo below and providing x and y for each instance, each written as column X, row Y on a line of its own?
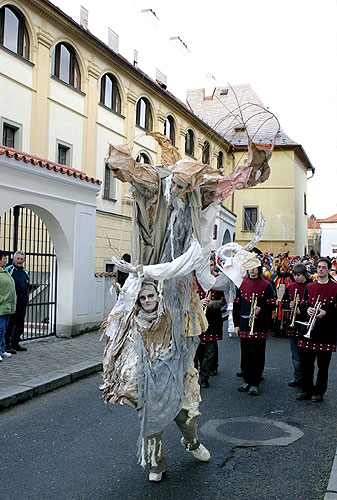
column 148, row 297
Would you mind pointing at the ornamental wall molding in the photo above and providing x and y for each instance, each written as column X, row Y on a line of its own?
column 44, row 38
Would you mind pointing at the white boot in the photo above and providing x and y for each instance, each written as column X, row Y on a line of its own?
column 155, row 477
column 201, row 453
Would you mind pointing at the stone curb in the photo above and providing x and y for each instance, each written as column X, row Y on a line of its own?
column 331, row 492
column 13, row 395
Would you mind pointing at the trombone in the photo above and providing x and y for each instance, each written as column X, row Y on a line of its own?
column 294, row 310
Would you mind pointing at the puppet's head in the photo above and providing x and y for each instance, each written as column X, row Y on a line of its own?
column 148, row 297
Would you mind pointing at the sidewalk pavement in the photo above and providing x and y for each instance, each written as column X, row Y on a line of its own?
column 49, row 363
column 53, row 362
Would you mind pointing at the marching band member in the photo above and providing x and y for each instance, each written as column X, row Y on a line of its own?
column 251, row 314
column 319, row 340
column 206, row 355
column 291, row 300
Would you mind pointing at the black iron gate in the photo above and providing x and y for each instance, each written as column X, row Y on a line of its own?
column 22, row 229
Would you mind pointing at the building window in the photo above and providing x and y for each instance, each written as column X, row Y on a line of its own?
column 220, row 160
column 8, row 136
column 249, row 218
column 169, row 129
column 144, row 114
column 65, row 65
column 110, row 186
column 205, row 153
column 110, row 95
column 11, row 133
column 109, row 267
column 143, row 158
column 189, row 143
column 13, row 31
column 64, row 153
column 305, row 203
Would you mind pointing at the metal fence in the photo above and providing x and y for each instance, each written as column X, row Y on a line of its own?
column 22, row 229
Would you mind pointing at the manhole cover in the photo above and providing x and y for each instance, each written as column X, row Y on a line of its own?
column 252, row 431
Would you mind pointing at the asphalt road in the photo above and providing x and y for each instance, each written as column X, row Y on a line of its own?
column 67, row 445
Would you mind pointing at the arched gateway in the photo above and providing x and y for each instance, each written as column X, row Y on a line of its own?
column 64, row 200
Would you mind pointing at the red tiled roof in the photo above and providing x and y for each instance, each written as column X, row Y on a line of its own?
column 50, row 165
column 313, row 224
column 332, row 218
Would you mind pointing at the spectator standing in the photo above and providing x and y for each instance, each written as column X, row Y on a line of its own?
column 7, row 303
column 16, row 323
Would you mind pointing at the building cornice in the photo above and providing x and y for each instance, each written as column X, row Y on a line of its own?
column 67, row 25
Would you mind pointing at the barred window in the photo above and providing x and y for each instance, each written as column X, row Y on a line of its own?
column 250, row 218
column 110, row 186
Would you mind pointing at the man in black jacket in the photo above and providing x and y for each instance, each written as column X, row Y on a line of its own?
column 15, row 327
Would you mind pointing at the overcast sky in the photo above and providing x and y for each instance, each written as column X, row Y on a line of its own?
column 286, row 50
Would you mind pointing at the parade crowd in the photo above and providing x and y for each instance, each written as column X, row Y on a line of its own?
column 294, row 297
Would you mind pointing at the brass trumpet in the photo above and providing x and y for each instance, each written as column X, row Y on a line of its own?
column 311, row 323
column 294, row 311
column 207, row 296
column 312, row 320
column 252, row 314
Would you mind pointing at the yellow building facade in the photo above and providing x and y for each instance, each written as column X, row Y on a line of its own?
column 239, row 115
column 65, row 96
column 282, row 200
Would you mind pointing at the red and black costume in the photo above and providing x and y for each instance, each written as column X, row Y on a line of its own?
column 293, row 331
column 207, row 355
column 322, row 340
column 281, row 280
column 253, row 346
column 289, row 296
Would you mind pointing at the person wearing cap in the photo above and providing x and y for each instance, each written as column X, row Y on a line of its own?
column 206, row 356
column 252, row 310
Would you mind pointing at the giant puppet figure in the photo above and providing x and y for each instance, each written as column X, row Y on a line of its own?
column 152, row 331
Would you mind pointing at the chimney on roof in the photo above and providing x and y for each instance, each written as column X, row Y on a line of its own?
column 150, row 15
column 113, row 40
column 84, row 16
column 210, row 85
column 178, row 42
column 161, row 79
column 135, row 58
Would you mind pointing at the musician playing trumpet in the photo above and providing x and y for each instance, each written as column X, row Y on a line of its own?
column 206, row 358
column 292, row 298
column 252, row 310
column 318, row 336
